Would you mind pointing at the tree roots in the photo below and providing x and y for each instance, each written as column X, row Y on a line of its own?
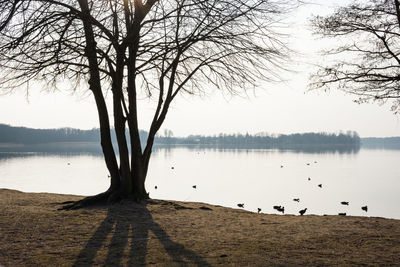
column 106, row 198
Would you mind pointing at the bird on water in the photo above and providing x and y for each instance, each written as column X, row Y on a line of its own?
column 194, row 186
column 296, row 199
column 365, row 208
column 344, row 203
column 320, row 185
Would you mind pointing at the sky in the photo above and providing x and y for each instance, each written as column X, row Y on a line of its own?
column 277, row 108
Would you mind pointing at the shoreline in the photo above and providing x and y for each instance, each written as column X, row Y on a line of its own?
column 159, row 232
column 254, row 211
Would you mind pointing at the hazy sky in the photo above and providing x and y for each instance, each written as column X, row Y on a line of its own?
column 285, row 107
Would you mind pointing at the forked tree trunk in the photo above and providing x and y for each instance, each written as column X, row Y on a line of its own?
column 127, row 180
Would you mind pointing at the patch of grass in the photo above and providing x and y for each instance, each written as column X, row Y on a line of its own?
column 34, row 232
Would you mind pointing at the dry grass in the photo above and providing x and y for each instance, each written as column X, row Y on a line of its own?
column 165, row 233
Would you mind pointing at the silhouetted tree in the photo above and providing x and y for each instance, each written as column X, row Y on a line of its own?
column 367, row 39
column 7, row 10
column 137, row 48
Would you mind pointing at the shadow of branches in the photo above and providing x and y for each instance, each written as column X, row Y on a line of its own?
column 131, row 228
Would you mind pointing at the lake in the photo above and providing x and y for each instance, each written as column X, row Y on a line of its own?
column 259, row 178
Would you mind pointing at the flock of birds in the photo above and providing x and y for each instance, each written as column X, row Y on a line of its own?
column 303, row 211
column 281, row 209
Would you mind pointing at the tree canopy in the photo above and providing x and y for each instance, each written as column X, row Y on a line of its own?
column 229, row 44
column 366, row 37
column 131, row 49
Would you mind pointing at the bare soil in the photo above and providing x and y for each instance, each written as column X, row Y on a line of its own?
column 169, row 233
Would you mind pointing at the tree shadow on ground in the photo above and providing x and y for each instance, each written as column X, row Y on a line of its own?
column 132, row 226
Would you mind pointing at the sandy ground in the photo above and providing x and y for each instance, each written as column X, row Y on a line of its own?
column 168, row 233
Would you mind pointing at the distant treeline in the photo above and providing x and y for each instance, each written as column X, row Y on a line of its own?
column 29, row 136
column 386, row 142
column 329, row 139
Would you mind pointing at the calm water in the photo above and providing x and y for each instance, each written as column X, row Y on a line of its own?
column 230, row 176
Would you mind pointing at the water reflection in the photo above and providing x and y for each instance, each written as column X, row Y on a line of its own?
column 318, row 149
column 9, row 155
column 55, row 148
column 95, row 148
column 381, row 146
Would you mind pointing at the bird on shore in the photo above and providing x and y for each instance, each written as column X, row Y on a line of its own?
column 365, row 208
column 194, row 186
column 296, row 199
column 240, row 205
column 258, row 210
column 302, row 211
column 320, row 185
column 344, row 203
column 280, row 208
column 342, row 214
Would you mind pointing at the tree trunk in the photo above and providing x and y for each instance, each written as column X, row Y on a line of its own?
column 138, row 174
column 138, row 180
column 127, row 180
column 114, row 191
column 119, row 124
column 95, row 87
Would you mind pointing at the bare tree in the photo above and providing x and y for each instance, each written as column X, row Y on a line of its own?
column 367, row 40
column 134, row 48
